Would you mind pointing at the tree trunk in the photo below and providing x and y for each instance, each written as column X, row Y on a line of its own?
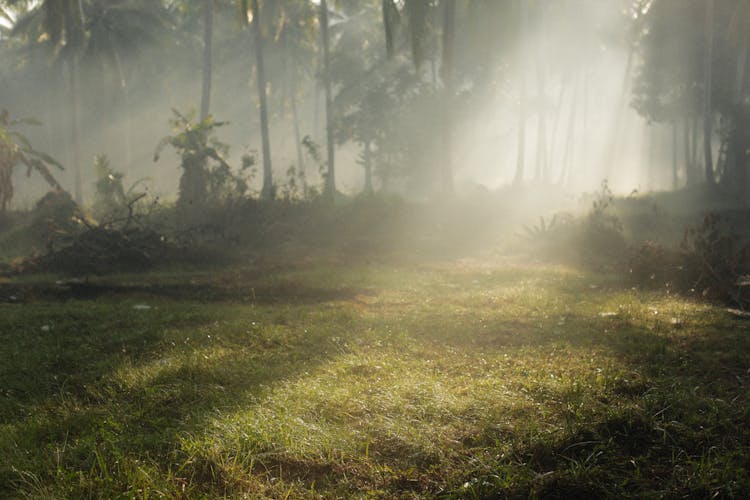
column 208, row 34
column 368, row 167
column 297, row 139
column 570, row 140
column 611, row 152
column 541, row 150
column 686, row 149
column 330, row 187
column 556, row 125
column 449, row 26
column 707, row 91
column 75, row 106
column 739, row 157
column 267, row 192
column 675, row 167
column 521, row 146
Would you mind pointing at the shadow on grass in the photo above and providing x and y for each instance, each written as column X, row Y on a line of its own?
column 85, row 382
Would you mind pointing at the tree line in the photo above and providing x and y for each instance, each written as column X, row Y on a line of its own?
column 399, row 80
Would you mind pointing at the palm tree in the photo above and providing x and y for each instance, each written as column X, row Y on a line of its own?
column 418, row 14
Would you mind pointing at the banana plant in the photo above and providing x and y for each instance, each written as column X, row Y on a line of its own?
column 16, row 150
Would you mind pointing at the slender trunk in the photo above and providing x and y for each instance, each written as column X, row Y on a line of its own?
column 645, row 147
column 739, row 163
column 368, row 167
column 695, row 168
column 708, row 88
column 675, row 167
column 541, row 151
column 556, row 124
column 331, row 174
column 388, row 23
column 651, row 155
column 449, row 25
column 297, row 139
column 686, row 149
column 208, row 34
column 291, row 79
column 267, row 189
column 570, row 142
column 128, row 121
column 584, row 158
column 75, row 106
column 611, row 152
column 521, row 146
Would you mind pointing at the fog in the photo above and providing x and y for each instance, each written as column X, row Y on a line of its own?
column 574, row 64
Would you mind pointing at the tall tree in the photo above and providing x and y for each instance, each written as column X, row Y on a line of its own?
column 267, row 191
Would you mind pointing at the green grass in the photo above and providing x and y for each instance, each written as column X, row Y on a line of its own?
column 456, row 380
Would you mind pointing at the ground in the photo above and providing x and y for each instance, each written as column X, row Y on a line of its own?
column 473, row 378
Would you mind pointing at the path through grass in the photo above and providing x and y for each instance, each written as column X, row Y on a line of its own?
column 460, row 380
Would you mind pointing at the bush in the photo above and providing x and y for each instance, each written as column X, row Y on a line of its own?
column 711, row 261
column 594, row 240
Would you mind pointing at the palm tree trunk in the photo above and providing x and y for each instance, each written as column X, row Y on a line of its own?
column 331, row 174
column 521, row 145
column 75, row 106
column 368, row 167
column 708, row 89
column 686, row 149
column 570, row 141
column 541, row 80
column 675, row 167
column 297, row 139
column 449, row 26
column 541, row 149
column 267, row 189
column 208, row 34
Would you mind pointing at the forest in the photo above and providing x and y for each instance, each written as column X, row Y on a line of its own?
column 374, row 249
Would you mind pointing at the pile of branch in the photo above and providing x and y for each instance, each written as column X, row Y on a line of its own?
column 101, row 250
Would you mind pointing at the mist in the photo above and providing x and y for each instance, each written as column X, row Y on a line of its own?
column 572, row 67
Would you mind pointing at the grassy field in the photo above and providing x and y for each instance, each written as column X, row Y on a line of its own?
column 463, row 379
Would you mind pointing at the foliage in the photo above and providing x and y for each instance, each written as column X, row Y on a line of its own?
column 716, row 259
column 15, row 150
column 55, row 217
column 206, row 177
column 112, row 203
column 595, row 239
column 711, row 262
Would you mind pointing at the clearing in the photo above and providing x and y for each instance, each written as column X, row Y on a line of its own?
column 322, row 379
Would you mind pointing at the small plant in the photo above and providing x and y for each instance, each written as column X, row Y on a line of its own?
column 313, row 152
column 15, row 150
column 112, row 202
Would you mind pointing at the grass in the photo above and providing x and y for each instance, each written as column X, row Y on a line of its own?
column 466, row 379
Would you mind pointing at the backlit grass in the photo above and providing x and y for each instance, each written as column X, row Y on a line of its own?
column 468, row 380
